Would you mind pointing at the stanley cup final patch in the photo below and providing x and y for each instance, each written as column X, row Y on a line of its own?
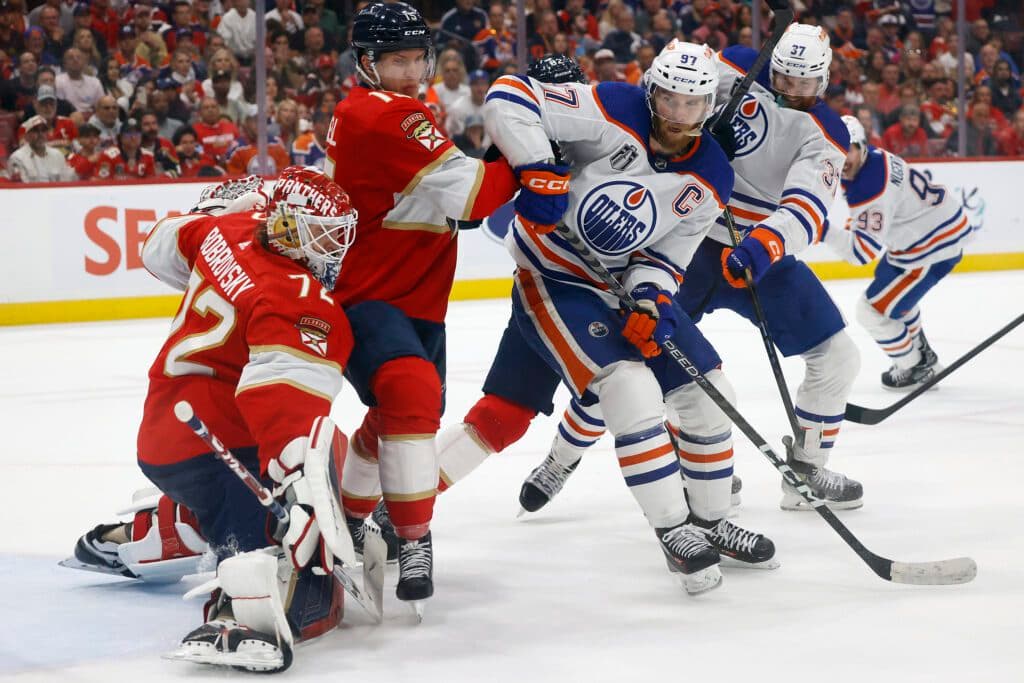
column 313, row 333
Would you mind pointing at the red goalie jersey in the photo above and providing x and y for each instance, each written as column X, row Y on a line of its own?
column 257, row 346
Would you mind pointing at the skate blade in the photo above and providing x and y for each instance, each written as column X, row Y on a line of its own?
column 701, row 581
column 373, row 572
column 75, row 563
column 273, row 661
column 727, row 561
column 522, row 511
column 798, row 504
column 418, row 608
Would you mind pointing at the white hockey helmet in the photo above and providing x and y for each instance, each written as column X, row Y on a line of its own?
column 683, row 69
column 857, row 134
column 803, row 52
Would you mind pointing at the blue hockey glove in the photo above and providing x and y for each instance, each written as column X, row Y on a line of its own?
column 544, row 197
column 757, row 252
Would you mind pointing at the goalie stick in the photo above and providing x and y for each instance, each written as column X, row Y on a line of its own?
column 941, row 572
column 872, row 416
column 373, row 566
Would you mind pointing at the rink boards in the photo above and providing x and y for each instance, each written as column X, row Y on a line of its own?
column 73, row 250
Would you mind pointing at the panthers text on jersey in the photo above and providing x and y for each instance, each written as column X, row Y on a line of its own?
column 257, row 346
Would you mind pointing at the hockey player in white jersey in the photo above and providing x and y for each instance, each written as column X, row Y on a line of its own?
column 921, row 227
column 788, row 152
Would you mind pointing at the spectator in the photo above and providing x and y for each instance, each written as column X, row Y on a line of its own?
column 980, row 140
column 77, row 87
column 745, row 36
column 495, row 43
column 644, row 17
column 327, row 18
column 465, row 20
column 542, row 41
column 55, row 36
column 908, row 95
column 184, row 74
column 151, row 49
column 473, row 140
column 310, row 148
column 710, row 30
column 238, row 27
column 939, row 109
column 1005, row 92
column 866, row 118
column 233, row 108
column 47, row 76
column 83, row 40
column 581, row 36
column 161, row 148
column 191, row 159
column 470, row 105
column 159, row 102
column 35, row 161
column 216, row 134
column 453, row 81
column 979, row 34
column 223, row 60
column 61, row 131
column 891, row 43
column 983, row 94
column 126, row 53
column 605, row 69
column 13, row 29
column 84, row 161
column 35, row 42
column 184, row 28
column 17, row 93
column 286, row 122
column 114, row 84
column 64, row 10
column 888, row 90
column 576, row 12
column 1011, row 141
column 313, row 46
column 987, row 58
column 242, row 159
column 623, row 41
column 289, row 19
column 127, row 159
column 106, row 120
column 835, row 98
column 105, row 21
column 905, row 137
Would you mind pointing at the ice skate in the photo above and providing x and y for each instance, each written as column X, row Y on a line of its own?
column 223, row 642
column 689, row 554
column 96, row 551
column 836, row 489
column 907, row 379
column 357, row 527
column 737, row 546
column 416, row 572
column 543, row 484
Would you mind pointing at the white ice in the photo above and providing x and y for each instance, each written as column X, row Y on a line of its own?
column 578, row 592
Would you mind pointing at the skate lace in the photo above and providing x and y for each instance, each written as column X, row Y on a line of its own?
column 550, row 476
column 827, row 479
column 729, row 535
column 414, row 559
column 899, row 374
column 683, row 541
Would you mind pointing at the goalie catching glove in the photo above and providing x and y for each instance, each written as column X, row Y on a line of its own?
column 655, row 321
column 232, row 196
column 306, row 473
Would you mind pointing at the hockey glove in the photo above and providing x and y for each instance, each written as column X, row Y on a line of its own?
column 302, row 541
column 756, row 253
column 724, row 135
column 654, row 323
column 544, row 197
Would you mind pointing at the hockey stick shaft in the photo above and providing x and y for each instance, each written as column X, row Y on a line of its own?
column 766, row 338
column 872, row 416
column 959, row 570
column 184, row 412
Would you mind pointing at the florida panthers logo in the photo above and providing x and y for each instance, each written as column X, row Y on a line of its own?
column 617, row 217
column 750, row 125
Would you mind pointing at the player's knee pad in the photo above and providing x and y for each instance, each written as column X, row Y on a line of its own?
column 166, row 544
column 499, row 422
column 630, row 398
column 696, row 412
column 832, row 366
column 408, row 393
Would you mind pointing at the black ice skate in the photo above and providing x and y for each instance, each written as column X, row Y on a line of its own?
column 737, row 546
column 689, row 554
column 544, row 483
column 906, row 379
column 223, row 642
column 415, row 572
column 836, row 489
column 382, row 521
column 95, row 552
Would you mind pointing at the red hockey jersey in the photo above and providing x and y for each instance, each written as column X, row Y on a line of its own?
column 405, row 178
column 257, row 347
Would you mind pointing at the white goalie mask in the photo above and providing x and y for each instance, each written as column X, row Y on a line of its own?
column 801, row 60
column 681, row 83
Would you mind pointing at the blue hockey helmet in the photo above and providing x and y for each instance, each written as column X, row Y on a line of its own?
column 388, row 27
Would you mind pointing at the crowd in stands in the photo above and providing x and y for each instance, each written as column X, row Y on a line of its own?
column 114, row 89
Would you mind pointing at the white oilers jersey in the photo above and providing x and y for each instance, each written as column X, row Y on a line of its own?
column 788, row 162
column 643, row 216
column 896, row 208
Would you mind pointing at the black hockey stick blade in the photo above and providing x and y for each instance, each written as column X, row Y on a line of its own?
column 872, row 416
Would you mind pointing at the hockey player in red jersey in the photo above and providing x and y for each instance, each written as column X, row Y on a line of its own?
column 258, row 349
column 413, row 188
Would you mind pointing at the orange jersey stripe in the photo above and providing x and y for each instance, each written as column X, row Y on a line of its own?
column 511, row 82
column 830, row 432
column 579, row 430
column 938, row 238
column 705, row 458
column 578, row 372
column 571, row 267
column 904, row 284
column 645, row 456
column 807, row 209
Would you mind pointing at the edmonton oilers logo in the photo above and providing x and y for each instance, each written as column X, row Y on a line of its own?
column 750, row 125
column 616, row 217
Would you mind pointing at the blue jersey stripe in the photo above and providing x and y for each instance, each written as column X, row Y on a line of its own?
column 934, row 250
column 499, row 95
column 804, row 193
column 654, row 475
column 637, row 437
column 814, row 417
column 936, row 231
column 761, row 203
column 803, row 221
column 705, row 476
column 577, row 411
column 573, row 440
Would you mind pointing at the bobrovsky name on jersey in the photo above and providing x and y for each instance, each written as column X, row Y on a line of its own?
column 750, row 124
column 617, row 216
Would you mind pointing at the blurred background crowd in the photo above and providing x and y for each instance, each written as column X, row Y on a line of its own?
column 114, row 89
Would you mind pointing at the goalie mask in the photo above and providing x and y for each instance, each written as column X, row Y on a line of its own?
column 311, row 219
column 800, row 61
column 681, row 84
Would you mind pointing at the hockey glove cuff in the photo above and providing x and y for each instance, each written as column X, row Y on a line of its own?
column 756, row 253
column 544, row 196
column 302, row 541
column 654, row 322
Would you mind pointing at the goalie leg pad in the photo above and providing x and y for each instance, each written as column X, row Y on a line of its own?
column 166, row 543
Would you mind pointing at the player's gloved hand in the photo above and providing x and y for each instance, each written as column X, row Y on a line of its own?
column 544, row 198
column 232, row 196
column 654, row 323
column 724, row 135
column 757, row 252
column 302, row 541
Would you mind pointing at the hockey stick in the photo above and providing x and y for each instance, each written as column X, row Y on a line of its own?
column 942, row 572
column 872, row 416
column 184, row 412
column 766, row 337
column 783, row 18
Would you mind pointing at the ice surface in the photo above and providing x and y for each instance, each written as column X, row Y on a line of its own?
column 578, row 592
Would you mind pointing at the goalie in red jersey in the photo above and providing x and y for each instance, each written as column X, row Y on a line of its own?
column 258, row 348
column 413, row 189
